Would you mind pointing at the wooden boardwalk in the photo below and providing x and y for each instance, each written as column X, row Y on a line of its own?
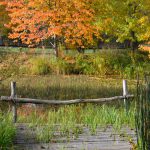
column 105, row 139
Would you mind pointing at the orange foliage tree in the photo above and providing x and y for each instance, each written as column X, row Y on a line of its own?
column 69, row 21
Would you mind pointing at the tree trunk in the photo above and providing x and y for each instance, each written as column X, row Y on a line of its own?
column 135, row 46
column 56, row 46
column 56, row 50
column 80, row 50
column 135, row 43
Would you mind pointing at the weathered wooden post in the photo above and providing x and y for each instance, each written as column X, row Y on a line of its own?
column 125, row 93
column 14, row 107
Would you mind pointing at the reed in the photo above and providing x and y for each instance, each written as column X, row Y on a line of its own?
column 143, row 115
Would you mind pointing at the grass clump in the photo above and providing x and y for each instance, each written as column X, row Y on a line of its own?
column 7, row 132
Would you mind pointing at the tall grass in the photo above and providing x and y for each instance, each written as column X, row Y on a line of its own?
column 143, row 115
column 7, row 132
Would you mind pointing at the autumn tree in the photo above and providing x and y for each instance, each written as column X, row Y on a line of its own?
column 69, row 21
column 125, row 20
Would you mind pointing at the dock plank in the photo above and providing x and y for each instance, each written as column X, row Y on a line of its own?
column 104, row 139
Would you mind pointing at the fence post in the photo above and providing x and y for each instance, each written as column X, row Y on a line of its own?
column 125, row 93
column 14, row 107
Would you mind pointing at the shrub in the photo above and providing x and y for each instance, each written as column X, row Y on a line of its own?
column 123, row 64
column 110, row 63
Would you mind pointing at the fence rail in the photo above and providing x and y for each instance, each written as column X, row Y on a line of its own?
column 14, row 99
column 63, row 102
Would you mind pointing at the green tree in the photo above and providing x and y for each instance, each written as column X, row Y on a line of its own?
column 124, row 19
column 4, row 18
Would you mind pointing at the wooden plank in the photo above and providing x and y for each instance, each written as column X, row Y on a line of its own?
column 25, row 139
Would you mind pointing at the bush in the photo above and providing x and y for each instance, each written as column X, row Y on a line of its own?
column 110, row 63
column 123, row 64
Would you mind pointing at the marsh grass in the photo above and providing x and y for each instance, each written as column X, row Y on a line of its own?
column 69, row 121
column 7, row 131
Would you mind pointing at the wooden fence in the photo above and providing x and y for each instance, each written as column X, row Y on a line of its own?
column 13, row 99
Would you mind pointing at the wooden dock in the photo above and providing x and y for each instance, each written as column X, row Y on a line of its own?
column 104, row 139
